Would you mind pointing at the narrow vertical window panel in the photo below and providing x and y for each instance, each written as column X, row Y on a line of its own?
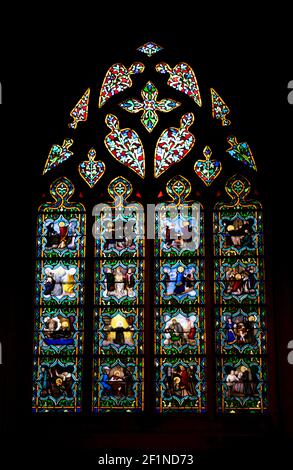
column 180, row 345
column 59, row 299
column 240, row 311
column 118, row 350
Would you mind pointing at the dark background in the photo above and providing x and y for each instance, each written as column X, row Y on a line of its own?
column 45, row 66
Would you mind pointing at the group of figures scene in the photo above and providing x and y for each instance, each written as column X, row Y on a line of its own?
column 61, row 281
column 122, row 234
column 180, row 330
column 181, row 383
column 180, row 235
column 242, row 384
column 179, row 280
column 120, row 281
column 59, row 330
column 239, row 233
column 60, row 235
column 118, row 383
column 241, row 329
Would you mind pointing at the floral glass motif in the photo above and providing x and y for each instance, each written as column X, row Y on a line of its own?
column 119, row 303
column 58, row 154
column 149, row 106
column 80, row 111
column 58, row 332
column 90, row 170
column 241, row 151
column 182, row 78
column 240, row 302
column 150, row 48
column 173, row 145
column 219, row 108
column 207, row 170
column 179, row 302
column 125, row 146
column 118, row 79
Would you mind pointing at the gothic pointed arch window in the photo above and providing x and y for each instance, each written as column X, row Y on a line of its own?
column 150, row 277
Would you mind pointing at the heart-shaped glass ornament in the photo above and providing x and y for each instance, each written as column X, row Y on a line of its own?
column 118, row 79
column 182, row 78
column 125, row 146
column 174, row 144
column 90, row 170
column 207, row 170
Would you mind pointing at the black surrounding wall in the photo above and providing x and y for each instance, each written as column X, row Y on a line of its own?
column 41, row 76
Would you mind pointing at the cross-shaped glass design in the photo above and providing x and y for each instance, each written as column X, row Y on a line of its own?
column 149, row 106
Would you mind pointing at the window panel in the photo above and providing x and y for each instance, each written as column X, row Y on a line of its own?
column 240, row 312
column 58, row 330
column 179, row 303
column 119, row 297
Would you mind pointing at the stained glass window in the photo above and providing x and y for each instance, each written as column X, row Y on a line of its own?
column 240, row 302
column 119, row 297
column 58, row 336
column 179, row 302
column 234, row 299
